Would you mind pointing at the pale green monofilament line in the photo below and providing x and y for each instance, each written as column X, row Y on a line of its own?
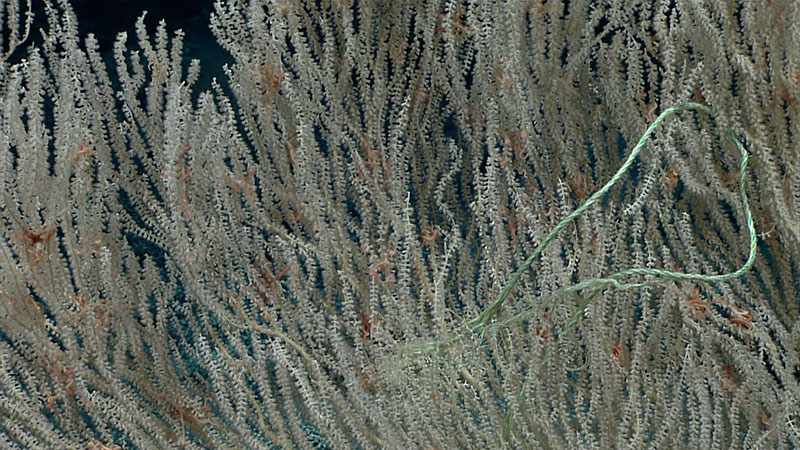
column 613, row 280
column 485, row 318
